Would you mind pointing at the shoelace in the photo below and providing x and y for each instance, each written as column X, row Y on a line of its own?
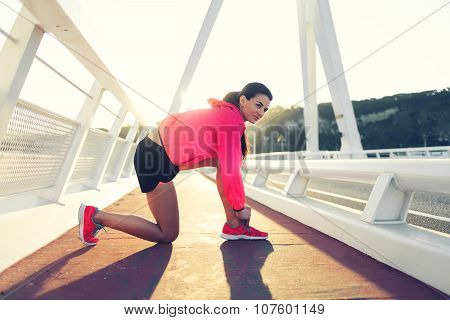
column 246, row 225
column 98, row 226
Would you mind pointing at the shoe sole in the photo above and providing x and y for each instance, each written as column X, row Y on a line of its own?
column 240, row 237
column 81, row 225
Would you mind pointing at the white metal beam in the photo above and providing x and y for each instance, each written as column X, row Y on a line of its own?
column 319, row 15
column 308, row 57
column 200, row 43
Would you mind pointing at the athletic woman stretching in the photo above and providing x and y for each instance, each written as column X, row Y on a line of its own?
column 212, row 137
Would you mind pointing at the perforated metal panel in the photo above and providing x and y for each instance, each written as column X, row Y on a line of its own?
column 119, row 148
column 129, row 163
column 93, row 150
column 33, row 149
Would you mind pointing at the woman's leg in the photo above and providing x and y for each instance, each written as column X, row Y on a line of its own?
column 162, row 203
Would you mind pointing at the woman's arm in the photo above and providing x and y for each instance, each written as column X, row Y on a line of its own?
column 229, row 155
column 232, row 218
column 226, row 204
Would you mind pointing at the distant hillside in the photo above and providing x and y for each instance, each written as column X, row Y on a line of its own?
column 399, row 121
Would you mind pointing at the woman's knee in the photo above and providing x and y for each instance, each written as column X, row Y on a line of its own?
column 168, row 237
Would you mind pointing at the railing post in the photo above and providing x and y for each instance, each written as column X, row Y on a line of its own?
column 85, row 117
column 124, row 156
column 260, row 179
column 128, row 169
column 296, row 185
column 103, row 163
column 16, row 58
column 388, row 203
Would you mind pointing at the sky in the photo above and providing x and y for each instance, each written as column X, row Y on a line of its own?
column 146, row 44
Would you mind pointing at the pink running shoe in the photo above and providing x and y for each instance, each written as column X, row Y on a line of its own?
column 88, row 229
column 242, row 232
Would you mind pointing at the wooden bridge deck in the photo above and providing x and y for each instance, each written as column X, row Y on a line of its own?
column 296, row 262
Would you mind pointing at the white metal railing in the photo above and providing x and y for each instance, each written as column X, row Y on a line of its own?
column 113, row 165
column 94, row 148
column 439, row 222
column 36, row 144
column 425, row 152
column 33, row 148
column 381, row 231
column 359, row 204
column 429, row 175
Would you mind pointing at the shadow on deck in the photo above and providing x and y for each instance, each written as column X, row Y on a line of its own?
column 296, row 262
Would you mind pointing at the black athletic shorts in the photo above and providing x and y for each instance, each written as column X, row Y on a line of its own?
column 152, row 165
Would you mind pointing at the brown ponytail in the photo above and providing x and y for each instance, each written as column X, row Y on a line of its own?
column 233, row 97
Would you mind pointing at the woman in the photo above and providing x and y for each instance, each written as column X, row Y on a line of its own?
column 193, row 139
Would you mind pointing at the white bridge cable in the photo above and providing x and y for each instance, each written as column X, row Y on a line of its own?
column 48, row 65
column 7, row 35
column 108, row 109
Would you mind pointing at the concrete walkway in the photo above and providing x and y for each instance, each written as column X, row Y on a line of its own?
column 296, row 262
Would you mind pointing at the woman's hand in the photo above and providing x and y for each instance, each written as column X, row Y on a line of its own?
column 244, row 215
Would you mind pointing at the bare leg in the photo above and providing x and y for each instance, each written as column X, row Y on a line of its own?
column 162, row 203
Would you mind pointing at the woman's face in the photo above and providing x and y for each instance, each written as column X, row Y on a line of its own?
column 254, row 109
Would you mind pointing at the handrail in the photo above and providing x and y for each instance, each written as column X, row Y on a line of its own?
column 339, row 154
column 430, row 175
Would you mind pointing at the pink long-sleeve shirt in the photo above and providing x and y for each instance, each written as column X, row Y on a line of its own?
column 209, row 134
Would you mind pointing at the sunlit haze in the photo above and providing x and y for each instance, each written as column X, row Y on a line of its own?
column 146, row 44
